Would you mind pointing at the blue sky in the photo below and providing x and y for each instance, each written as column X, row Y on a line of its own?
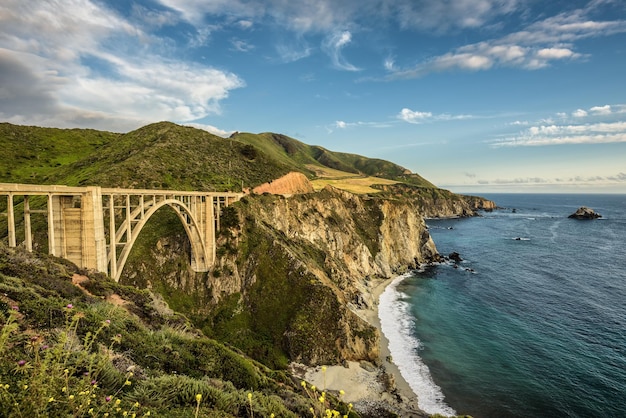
column 475, row 95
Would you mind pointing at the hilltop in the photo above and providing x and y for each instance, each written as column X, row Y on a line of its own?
column 168, row 156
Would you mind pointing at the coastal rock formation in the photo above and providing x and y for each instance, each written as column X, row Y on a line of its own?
column 292, row 273
column 437, row 203
column 454, row 256
column 584, row 212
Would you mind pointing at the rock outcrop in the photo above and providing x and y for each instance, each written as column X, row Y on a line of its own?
column 584, row 212
column 304, row 263
column 437, row 203
column 292, row 273
column 289, row 184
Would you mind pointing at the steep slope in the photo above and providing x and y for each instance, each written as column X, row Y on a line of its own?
column 103, row 348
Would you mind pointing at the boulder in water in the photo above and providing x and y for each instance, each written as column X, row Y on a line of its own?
column 455, row 257
column 584, row 212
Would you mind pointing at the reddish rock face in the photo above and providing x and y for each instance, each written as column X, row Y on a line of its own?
column 289, row 184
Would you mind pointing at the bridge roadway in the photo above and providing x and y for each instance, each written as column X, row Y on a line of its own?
column 96, row 227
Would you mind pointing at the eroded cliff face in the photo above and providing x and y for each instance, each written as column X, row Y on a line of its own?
column 292, row 273
column 437, row 203
column 303, row 266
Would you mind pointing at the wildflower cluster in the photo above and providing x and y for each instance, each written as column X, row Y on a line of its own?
column 322, row 401
column 59, row 377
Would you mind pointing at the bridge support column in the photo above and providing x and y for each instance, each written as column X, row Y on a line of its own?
column 93, row 242
column 209, row 229
column 11, row 221
column 76, row 229
column 28, row 233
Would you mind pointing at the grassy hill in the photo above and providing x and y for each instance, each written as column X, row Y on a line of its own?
column 31, row 154
column 74, row 343
column 168, row 156
column 314, row 160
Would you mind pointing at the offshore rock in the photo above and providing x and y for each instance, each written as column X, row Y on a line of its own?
column 454, row 256
column 584, row 212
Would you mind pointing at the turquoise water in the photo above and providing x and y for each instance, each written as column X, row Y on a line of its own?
column 537, row 329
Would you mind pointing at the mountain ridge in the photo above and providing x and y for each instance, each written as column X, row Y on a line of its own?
column 88, row 157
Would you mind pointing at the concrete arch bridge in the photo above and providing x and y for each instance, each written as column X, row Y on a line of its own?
column 97, row 227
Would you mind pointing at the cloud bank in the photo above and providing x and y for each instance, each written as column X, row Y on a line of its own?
column 77, row 63
column 587, row 130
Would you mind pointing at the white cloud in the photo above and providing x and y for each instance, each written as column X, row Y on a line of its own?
column 411, row 116
column 597, row 133
column 389, row 64
column 555, row 53
column 210, row 128
column 333, row 46
column 245, row 24
column 601, row 110
column 241, row 46
column 417, row 117
column 350, row 125
column 293, row 50
column 326, row 15
column 538, row 46
column 443, row 15
column 579, row 113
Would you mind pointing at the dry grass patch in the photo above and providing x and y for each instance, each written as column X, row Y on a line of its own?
column 357, row 185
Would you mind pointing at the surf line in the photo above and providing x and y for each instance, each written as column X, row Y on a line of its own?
column 397, row 325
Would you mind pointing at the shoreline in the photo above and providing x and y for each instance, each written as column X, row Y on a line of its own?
column 366, row 385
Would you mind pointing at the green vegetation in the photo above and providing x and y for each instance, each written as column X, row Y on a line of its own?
column 31, row 154
column 311, row 159
column 68, row 352
column 168, row 156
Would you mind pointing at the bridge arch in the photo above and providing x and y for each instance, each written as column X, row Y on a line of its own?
column 201, row 258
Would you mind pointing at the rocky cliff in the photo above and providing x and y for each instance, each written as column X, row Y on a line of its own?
column 436, row 203
column 292, row 273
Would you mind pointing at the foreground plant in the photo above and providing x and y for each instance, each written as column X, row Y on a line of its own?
column 326, row 406
column 58, row 378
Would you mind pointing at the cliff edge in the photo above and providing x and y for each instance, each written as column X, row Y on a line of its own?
column 292, row 273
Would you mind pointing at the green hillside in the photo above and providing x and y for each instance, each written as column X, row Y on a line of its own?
column 103, row 349
column 169, row 156
column 301, row 157
column 32, row 154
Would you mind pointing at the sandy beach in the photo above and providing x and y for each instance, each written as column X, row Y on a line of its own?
column 366, row 385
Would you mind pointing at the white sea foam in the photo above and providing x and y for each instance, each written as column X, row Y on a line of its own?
column 397, row 324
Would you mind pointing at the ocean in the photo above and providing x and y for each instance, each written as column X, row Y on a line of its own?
column 532, row 322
